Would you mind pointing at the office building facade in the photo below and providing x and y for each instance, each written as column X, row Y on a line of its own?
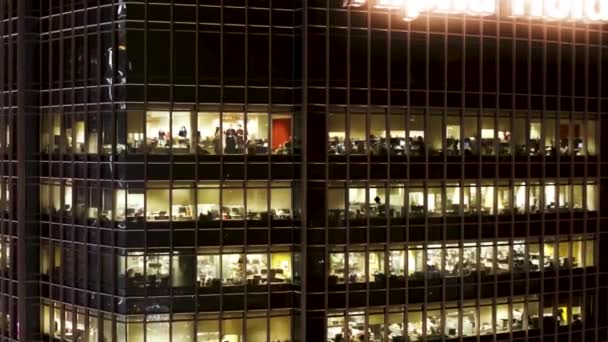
column 246, row 170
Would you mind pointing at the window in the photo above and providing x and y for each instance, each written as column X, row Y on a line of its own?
column 357, row 201
column 157, row 204
column 376, row 266
column 281, row 201
column 452, row 134
column 377, row 134
column 233, row 133
column 208, row 270
column 182, row 132
column 233, row 269
column 397, row 136
column 208, row 202
column 357, row 133
column 282, row 138
column 396, row 263
column 208, row 136
column 416, row 135
column 487, row 199
column 233, row 206
column 135, row 132
column 336, row 199
column 258, row 270
column 337, row 268
column 356, row 267
column 549, row 126
column 434, row 261
column 182, row 203
column 416, row 200
column 471, row 137
column 397, row 201
column 488, row 135
column 534, row 135
column 257, row 201
column 435, row 133
column 336, row 133
column 434, row 199
column 146, row 270
column 415, row 262
column 158, row 132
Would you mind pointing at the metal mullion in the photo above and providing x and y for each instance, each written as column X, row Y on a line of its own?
column 171, row 157
column 197, row 43
column 368, row 153
column 245, row 163
column 304, row 172
column 348, row 150
column 146, row 151
column 270, row 140
column 387, row 137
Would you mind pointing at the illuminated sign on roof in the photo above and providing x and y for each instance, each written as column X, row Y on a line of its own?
column 569, row 10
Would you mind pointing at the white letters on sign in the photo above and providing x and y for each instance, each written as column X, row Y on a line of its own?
column 571, row 10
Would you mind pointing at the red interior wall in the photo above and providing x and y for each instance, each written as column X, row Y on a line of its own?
column 280, row 131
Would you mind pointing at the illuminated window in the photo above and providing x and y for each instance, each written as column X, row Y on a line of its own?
column 397, row 138
column 377, row 201
column 146, row 270
column 377, row 134
column 453, row 266
column 282, row 139
column 208, row 135
column 233, row 207
column 135, row 132
column 376, row 266
column 281, row 201
column 487, row 199
column 357, row 134
column 233, row 133
column 208, row 202
column 452, row 198
column 416, row 200
column 550, row 141
column 434, row 261
column 434, row 204
column 435, row 138
column 416, row 135
column 336, row 200
column 337, row 268
column 452, row 133
column 208, row 270
column 336, row 134
column 157, row 205
column 356, row 267
column 415, row 262
column 182, row 203
column 591, row 196
column 396, row 261
column 233, row 269
column 357, row 201
column 518, row 134
column 471, row 136
column 488, row 135
column 257, row 201
column 590, row 136
column 158, row 132
column 534, row 135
